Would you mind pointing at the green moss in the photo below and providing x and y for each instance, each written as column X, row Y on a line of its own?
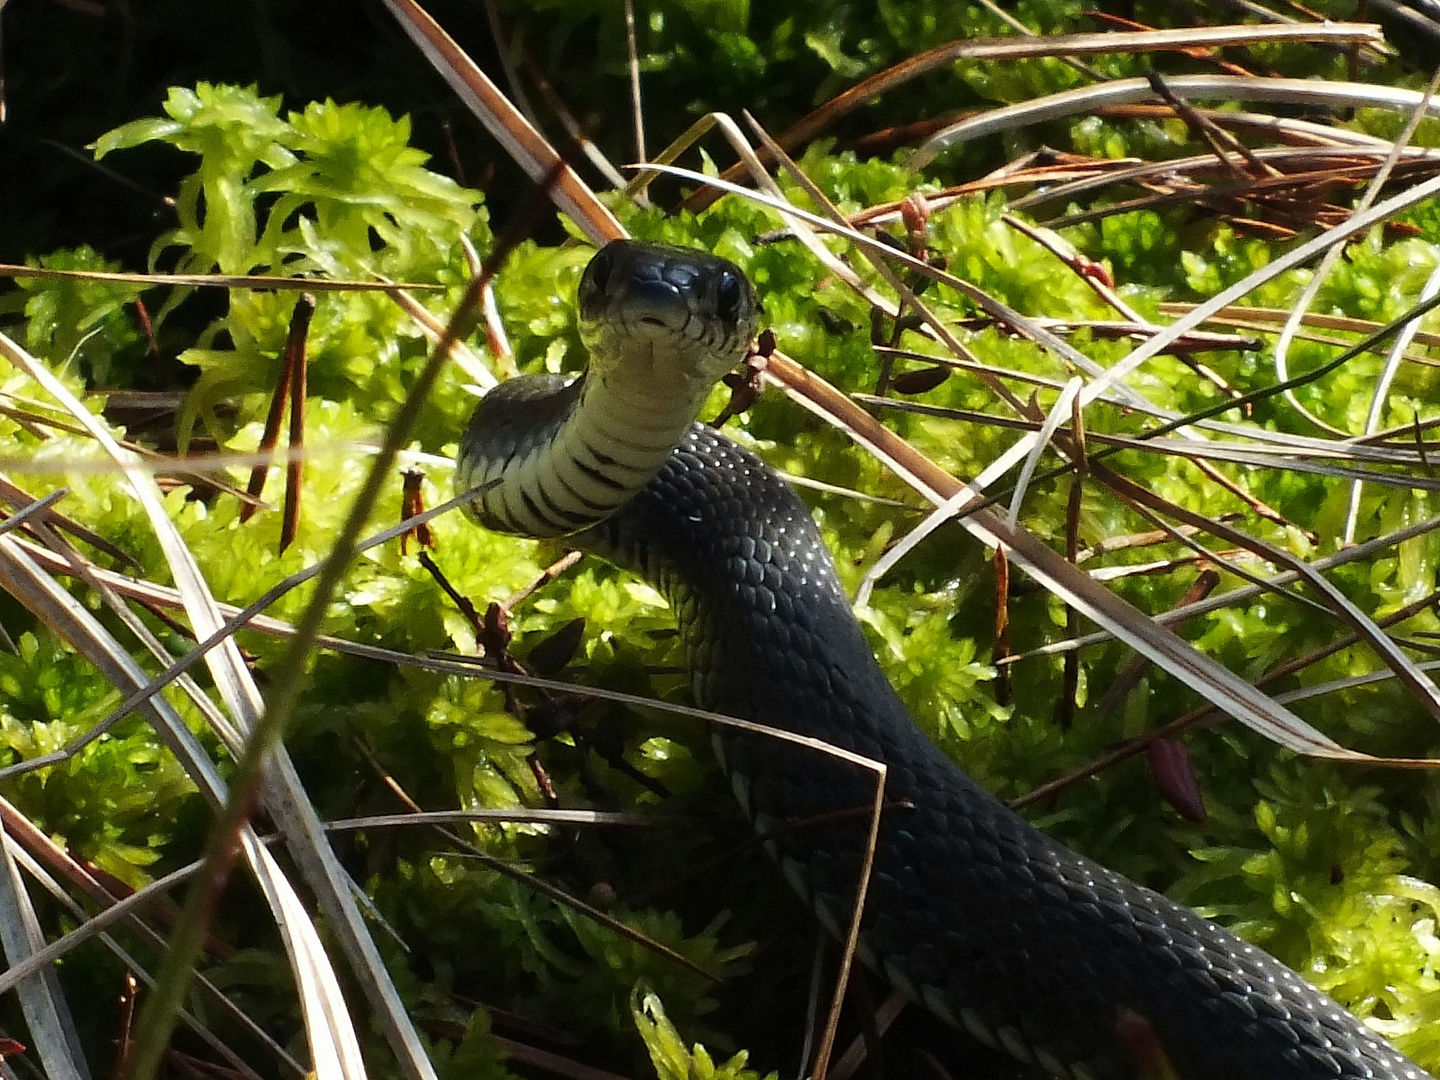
column 668, row 1053
column 1321, row 863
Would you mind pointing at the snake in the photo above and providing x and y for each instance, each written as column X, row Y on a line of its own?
column 995, row 928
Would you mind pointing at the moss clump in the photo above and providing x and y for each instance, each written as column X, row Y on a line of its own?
column 1323, row 864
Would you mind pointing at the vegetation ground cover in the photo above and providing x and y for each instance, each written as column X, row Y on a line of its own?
column 1326, row 865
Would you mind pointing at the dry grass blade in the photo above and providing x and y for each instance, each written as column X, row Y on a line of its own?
column 37, row 846
column 47, row 1014
column 516, row 135
column 637, row 103
column 1315, row 93
column 332, row 1040
column 137, row 970
column 856, row 1053
column 1037, row 170
column 1335, row 686
column 1024, row 31
column 1257, row 317
column 1291, row 162
column 30, row 509
column 1380, row 396
column 1245, row 593
column 23, row 580
column 573, row 128
column 217, row 281
column 22, row 500
column 1287, row 131
column 1227, row 691
column 461, row 353
column 207, row 465
column 41, row 958
column 1322, row 274
column 1200, row 450
column 1059, row 412
column 1059, row 45
column 513, row 815
column 1402, row 341
column 1396, row 10
column 1412, row 356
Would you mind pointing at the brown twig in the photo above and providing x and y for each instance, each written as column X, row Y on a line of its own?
column 1000, row 651
column 291, row 364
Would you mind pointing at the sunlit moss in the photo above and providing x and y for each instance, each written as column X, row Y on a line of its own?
column 1323, row 864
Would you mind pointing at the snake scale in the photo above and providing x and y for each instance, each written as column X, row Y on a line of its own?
column 996, row 929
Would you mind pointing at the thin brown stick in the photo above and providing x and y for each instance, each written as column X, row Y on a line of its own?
column 267, row 282
column 637, row 103
column 1125, row 681
column 852, row 935
column 1222, row 144
column 549, row 574
column 279, row 400
column 296, row 368
column 1065, row 712
column 1000, row 651
column 1053, row 45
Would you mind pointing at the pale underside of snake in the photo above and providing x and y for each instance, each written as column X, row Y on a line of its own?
column 973, row 913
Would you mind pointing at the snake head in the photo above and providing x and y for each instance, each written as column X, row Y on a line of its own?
column 657, row 313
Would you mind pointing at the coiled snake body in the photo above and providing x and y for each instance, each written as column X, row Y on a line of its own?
column 972, row 912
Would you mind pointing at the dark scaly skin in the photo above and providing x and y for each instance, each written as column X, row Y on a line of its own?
column 990, row 924
column 972, row 911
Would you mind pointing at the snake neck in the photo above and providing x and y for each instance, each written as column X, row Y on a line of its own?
column 561, row 456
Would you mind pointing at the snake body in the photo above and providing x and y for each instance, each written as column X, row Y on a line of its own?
column 972, row 912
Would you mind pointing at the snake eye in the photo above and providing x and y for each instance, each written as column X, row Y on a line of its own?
column 594, row 280
column 728, row 293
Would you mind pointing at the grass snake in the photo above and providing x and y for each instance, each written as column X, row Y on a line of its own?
column 972, row 912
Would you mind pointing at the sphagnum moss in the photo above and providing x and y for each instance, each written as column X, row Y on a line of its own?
column 1323, row 865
